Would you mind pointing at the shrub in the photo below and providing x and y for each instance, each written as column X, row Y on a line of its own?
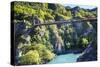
column 36, row 54
column 31, row 57
column 68, row 45
column 84, row 42
column 60, row 17
column 48, row 55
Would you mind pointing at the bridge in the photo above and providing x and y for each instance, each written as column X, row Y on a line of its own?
column 61, row 22
column 67, row 21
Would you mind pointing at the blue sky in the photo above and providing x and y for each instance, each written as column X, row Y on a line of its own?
column 82, row 6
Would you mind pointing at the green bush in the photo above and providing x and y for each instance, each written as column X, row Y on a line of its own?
column 24, row 9
column 59, row 17
column 44, row 53
column 84, row 42
column 48, row 55
column 31, row 57
column 36, row 54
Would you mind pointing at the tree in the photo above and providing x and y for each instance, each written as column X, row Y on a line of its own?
column 31, row 57
column 48, row 55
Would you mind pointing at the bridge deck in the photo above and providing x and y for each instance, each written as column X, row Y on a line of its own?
column 62, row 22
column 67, row 21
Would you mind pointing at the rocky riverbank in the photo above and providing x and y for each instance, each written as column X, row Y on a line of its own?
column 89, row 53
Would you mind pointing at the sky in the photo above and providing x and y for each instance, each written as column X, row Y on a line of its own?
column 81, row 6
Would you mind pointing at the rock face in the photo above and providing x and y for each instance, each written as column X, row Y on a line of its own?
column 59, row 46
column 21, row 35
column 20, row 28
column 90, row 53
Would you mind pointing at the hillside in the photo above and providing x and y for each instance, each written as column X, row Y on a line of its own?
column 39, row 45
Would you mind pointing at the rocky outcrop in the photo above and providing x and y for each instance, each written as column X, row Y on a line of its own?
column 22, row 37
column 90, row 53
column 59, row 45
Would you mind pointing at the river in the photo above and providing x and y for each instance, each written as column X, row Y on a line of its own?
column 66, row 58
